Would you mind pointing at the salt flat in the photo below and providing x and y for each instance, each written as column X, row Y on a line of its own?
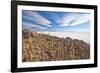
column 85, row 36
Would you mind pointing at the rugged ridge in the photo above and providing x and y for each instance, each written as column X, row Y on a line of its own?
column 42, row 47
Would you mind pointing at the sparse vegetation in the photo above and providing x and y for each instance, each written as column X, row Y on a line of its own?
column 42, row 47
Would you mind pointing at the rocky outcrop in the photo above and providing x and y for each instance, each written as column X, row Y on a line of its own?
column 42, row 47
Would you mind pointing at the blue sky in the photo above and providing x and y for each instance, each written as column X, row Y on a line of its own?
column 56, row 21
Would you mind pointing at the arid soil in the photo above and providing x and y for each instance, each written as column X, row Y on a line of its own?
column 42, row 47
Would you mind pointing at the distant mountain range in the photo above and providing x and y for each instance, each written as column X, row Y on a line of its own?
column 43, row 47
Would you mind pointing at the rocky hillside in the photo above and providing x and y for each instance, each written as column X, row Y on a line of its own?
column 42, row 47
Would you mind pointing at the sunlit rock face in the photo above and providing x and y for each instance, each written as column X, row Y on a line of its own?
column 44, row 47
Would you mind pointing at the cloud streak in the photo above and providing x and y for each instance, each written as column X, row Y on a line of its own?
column 36, row 17
column 81, row 19
column 67, row 19
column 56, row 21
column 28, row 25
column 73, row 19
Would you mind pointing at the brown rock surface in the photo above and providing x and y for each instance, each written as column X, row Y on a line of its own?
column 42, row 47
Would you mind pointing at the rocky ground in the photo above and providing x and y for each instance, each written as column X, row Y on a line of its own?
column 42, row 47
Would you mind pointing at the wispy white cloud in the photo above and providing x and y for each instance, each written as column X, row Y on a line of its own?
column 81, row 19
column 65, row 24
column 68, row 18
column 74, row 19
column 27, row 24
column 39, row 19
